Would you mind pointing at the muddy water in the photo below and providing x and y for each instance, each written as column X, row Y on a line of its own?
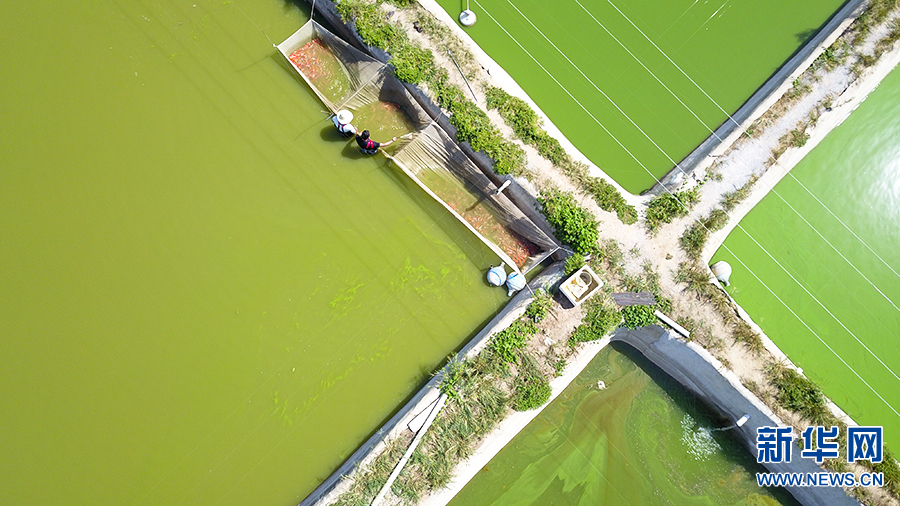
column 206, row 295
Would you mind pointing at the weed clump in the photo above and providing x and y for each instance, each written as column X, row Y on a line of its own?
column 694, row 238
column 600, row 319
column 540, row 306
column 798, row 393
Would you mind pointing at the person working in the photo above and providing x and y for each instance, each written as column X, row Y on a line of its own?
column 368, row 146
column 342, row 121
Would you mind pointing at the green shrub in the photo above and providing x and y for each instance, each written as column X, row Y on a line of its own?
column 638, row 316
column 573, row 263
column 516, row 112
column 573, row 224
column 532, row 391
column 505, row 343
column 445, row 94
column 412, row 64
column 667, row 206
column 609, row 199
column 540, row 306
column 473, row 126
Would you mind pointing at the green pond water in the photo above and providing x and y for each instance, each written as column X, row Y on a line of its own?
column 206, row 296
column 727, row 47
column 641, row 441
column 844, row 297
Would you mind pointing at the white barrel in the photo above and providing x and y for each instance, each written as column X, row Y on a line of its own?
column 467, row 18
column 496, row 276
column 722, row 271
column 514, row 283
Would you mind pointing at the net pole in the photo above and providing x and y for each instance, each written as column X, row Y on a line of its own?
column 463, row 75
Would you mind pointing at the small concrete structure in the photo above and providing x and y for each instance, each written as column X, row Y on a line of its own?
column 581, row 285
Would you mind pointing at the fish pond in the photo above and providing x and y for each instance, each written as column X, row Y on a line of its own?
column 207, row 296
column 636, row 85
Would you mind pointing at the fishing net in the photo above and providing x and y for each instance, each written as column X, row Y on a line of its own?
column 346, row 78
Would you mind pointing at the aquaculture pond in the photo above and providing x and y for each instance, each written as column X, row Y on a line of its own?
column 206, row 295
column 636, row 438
column 620, row 78
column 817, row 262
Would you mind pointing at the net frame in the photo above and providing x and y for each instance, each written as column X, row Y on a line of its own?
column 429, row 147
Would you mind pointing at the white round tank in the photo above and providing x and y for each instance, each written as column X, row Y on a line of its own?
column 467, row 18
column 722, row 271
column 496, row 276
column 514, row 283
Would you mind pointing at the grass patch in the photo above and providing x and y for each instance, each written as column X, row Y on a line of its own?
column 797, row 393
column 532, row 389
column 732, row 199
column 667, row 206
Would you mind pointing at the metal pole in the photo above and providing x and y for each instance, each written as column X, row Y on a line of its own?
column 463, row 75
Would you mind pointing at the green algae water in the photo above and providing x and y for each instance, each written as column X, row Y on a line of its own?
column 565, row 55
column 642, row 440
column 830, row 312
column 206, row 296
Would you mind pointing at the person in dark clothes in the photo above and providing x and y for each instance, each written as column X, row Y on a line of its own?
column 368, row 146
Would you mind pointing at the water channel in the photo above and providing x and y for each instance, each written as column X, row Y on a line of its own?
column 207, row 296
column 828, row 295
column 640, row 440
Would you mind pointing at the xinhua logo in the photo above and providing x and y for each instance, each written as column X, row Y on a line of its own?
column 774, row 444
column 865, row 443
